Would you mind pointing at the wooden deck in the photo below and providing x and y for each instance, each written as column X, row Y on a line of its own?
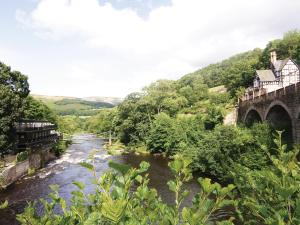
column 34, row 134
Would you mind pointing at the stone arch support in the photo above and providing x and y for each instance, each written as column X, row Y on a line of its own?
column 280, row 103
column 252, row 108
column 297, row 113
column 280, row 117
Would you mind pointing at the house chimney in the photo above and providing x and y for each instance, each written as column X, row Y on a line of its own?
column 273, row 57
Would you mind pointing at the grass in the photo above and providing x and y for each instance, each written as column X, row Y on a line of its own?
column 141, row 150
column 73, row 106
column 116, row 148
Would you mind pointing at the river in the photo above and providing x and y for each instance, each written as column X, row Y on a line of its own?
column 66, row 169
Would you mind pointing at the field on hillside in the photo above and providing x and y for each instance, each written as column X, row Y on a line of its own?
column 76, row 106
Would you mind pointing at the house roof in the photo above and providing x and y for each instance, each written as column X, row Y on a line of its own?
column 279, row 64
column 265, row 75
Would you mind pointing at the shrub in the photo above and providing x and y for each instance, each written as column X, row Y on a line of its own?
column 61, row 147
column 22, row 156
column 272, row 195
column 115, row 201
column 216, row 152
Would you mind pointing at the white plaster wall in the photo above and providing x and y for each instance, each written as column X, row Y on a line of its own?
column 272, row 87
column 290, row 74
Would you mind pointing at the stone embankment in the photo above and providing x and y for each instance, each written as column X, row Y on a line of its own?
column 15, row 170
column 231, row 118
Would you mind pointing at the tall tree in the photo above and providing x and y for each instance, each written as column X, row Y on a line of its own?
column 14, row 89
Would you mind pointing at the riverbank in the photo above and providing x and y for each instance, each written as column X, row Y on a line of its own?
column 66, row 169
column 118, row 148
column 28, row 162
column 18, row 169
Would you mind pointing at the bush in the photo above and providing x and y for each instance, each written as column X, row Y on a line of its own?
column 272, row 195
column 22, row 156
column 117, row 202
column 171, row 135
column 217, row 151
column 61, row 147
column 161, row 135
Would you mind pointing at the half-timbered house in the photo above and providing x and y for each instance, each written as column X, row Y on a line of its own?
column 282, row 73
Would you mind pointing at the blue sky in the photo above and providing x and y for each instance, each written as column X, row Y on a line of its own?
column 114, row 47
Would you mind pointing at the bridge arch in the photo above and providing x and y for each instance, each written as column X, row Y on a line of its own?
column 297, row 113
column 252, row 116
column 280, row 103
column 280, row 117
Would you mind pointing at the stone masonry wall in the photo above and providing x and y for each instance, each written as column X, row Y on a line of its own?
column 287, row 97
column 35, row 160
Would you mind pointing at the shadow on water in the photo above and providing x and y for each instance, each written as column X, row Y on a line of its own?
column 66, row 169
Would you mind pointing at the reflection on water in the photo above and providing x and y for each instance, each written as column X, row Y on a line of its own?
column 66, row 169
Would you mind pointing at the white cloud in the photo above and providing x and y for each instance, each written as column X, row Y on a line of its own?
column 171, row 41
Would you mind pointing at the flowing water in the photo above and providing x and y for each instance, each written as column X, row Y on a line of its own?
column 66, row 169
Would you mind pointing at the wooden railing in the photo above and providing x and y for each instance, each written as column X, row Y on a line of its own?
column 35, row 134
column 31, row 125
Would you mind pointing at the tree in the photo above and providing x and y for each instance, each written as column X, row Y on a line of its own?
column 102, row 122
column 14, row 89
column 37, row 110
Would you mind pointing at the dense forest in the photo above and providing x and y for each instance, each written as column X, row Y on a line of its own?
column 181, row 119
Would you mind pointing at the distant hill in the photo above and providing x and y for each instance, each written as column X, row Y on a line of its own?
column 238, row 71
column 112, row 100
column 63, row 105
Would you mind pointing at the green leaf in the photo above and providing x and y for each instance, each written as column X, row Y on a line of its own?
column 78, row 184
column 121, row 168
column 176, row 165
column 54, row 187
column 186, row 214
column 4, row 205
column 139, row 178
column 113, row 209
column 77, row 193
column 144, row 166
column 172, row 185
column 92, row 219
column 87, row 166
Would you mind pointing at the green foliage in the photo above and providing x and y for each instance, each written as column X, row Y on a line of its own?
column 160, row 137
column 238, row 71
column 4, row 205
column 61, row 147
column 141, row 114
column 14, row 89
column 93, row 104
column 234, row 72
column 30, row 171
column 171, row 135
column 209, row 205
column 102, row 123
column 216, row 152
column 22, row 156
column 272, row 195
column 287, row 47
column 115, row 201
column 70, row 124
column 74, row 106
column 213, row 117
column 37, row 110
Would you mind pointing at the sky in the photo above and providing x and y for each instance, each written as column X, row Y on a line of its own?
column 114, row 47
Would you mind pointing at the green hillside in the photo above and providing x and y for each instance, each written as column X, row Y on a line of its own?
column 73, row 106
column 237, row 72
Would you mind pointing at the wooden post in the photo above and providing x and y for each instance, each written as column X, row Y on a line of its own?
column 109, row 138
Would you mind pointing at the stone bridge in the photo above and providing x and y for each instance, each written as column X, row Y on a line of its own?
column 281, row 108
